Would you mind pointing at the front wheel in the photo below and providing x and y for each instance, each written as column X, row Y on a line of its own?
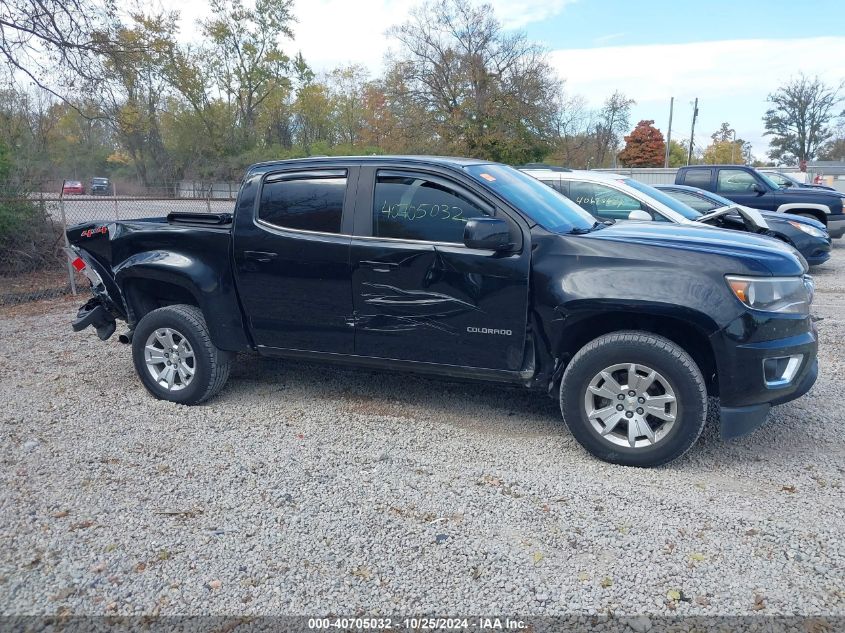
column 175, row 358
column 634, row 398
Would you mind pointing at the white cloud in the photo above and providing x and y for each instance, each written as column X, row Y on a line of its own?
column 338, row 32
column 734, row 67
column 517, row 14
column 731, row 78
column 604, row 39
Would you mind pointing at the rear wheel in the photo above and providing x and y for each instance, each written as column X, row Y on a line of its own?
column 634, row 398
column 175, row 358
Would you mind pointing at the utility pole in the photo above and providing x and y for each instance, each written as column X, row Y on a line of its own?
column 733, row 147
column 692, row 132
column 669, row 133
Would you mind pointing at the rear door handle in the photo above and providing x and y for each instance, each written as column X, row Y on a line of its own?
column 379, row 267
column 260, row 256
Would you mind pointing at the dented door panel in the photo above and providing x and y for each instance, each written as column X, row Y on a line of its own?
column 439, row 303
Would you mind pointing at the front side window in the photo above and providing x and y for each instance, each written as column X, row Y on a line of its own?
column 307, row 202
column 735, row 181
column 416, row 207
column 606, row 202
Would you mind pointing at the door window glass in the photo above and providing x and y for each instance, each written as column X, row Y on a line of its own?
column 312, row 203
column 608, row 203
column 694, row 201
column 735, row 181
column 698, row 178
column 414, row 207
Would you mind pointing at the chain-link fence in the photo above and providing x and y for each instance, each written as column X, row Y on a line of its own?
column 33, row 264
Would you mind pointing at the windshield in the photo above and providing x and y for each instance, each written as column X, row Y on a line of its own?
column 676, row 205
column 768, row 180
column 541, row 203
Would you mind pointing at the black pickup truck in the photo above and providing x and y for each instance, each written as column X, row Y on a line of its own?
column 464, row 269
column 752, row 188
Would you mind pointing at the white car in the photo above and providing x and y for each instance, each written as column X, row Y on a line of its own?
column 615, row 197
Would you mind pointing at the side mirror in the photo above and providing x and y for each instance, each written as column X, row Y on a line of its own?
column 640, row 216
column 757, row 188
column 491, row 234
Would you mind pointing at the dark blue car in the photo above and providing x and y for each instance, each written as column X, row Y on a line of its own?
column 808, row 236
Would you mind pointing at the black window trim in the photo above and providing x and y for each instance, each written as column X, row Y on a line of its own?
column 311, row 173
column 439, row 178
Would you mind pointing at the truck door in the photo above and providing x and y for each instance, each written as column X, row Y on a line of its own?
column 420, row 294
column 292, row 260
column 743, row 187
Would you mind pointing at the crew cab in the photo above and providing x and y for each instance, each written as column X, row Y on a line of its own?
column 751, row 188
column 464, row 269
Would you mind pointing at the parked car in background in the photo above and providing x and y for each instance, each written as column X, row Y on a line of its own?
column 748, row 187
column 617, row 198
column 785, row 181
column 807, row 235
column 72, row 188
column 465, row 269
column 101, row 187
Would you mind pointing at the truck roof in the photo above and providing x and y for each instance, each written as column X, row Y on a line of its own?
column 451, row 161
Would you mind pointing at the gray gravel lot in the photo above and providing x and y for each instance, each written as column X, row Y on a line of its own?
column 307, row 489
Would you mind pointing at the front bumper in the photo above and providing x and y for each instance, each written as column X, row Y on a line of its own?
column 745, row 391
column 836, row 225
column 739, row 421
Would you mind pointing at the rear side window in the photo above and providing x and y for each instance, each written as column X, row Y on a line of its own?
column 307, row 202
column 417, row 207
column 698, row 178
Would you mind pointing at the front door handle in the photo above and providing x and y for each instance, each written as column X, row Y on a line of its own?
column 260, row 256
column 379, row 267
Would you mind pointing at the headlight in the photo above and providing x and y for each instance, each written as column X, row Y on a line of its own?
column 809, row 230
column 788, row 295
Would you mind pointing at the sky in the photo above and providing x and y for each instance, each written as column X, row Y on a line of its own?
column 729, row 53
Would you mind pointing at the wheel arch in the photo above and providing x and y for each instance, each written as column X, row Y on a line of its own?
column 692, row 335
column 155, row 279
column 818, row 211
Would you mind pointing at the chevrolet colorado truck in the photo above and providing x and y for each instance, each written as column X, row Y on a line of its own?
column 469, row 270
column 751, row 188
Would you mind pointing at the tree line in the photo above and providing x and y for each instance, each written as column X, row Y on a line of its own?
column 89, row 90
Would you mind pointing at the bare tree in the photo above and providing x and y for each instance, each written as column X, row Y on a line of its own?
column 482, row 91
column 57, row 43
column 614, row 121
column 800, row 117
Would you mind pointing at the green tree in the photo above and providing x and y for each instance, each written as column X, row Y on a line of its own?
column 245, row 57
column 348, row 86
column 677, row 154
column 799, row 118
column 726, row 149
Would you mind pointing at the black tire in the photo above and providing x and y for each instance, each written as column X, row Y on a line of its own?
column 211, row 365
column 657, row 353
column 811, row 216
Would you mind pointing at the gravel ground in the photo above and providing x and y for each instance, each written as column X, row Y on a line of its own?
column 306, row 489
